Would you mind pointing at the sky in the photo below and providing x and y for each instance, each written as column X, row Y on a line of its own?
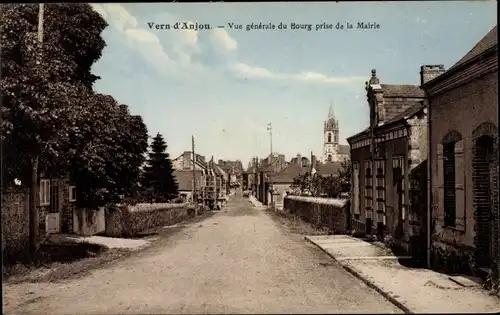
column 224, row 85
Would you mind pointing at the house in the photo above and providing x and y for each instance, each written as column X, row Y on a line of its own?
column 221, row 179
column 183, row 170
column 185, row 161
column 58, row 211
column 463, row 153
column 301, row 160
column 389, row 165
column 185, row 179
column 234, row 170
column 282, row 181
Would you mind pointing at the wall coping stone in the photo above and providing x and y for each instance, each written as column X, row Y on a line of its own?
column 324, row 201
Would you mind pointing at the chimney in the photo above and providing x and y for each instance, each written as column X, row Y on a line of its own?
column 429, row 72
column 220, row 162
column 299, row 159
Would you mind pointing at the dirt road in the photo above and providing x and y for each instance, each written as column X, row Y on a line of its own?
column 239, row 261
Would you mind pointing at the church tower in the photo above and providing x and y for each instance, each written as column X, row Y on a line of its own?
column 331, row 138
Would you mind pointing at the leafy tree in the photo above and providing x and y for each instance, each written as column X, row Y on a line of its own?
column 328, row 186
column 345, row 176
column 159, row 182
column 41, row 84
column 107, row 166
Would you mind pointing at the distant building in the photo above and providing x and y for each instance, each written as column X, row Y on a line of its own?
column 185, row 162
column 332, row 150
column 235, row 171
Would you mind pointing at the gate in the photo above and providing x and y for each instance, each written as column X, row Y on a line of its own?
column 53, row 218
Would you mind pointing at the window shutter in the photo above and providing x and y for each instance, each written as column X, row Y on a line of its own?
column 459, row 185
column 356, row 191
column 440, row 183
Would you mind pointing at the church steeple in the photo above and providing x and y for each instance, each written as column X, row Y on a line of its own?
column 331, row 124
column 331, row 113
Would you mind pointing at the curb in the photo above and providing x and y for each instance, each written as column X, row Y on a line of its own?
column 366, row 281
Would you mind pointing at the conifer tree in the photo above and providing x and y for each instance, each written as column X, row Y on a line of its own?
column 159, row 182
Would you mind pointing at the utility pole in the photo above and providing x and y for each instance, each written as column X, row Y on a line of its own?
column 270, row 129
column 195, row 201
column 33, row 217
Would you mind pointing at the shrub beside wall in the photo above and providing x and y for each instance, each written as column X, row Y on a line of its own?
column 321, row 212
column 133, row 220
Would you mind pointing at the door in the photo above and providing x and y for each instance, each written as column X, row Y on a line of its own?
column 53, row 218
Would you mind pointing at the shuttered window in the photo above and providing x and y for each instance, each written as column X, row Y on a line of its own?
column 368, row 186
column 356, row 192
column 380, row 188
column 398, row 182
column 449, row 184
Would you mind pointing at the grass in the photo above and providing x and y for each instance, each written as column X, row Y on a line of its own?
column 295, row 224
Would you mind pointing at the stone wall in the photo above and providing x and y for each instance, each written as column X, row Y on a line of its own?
column 331, row 214
column 133, row 220
column 15, row 225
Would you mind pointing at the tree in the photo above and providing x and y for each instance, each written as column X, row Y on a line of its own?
column 159, row 182
column 329, row 186
column 107, row 166
column 41, row 83
column 345, row 176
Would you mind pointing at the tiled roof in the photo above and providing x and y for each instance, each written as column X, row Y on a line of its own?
column 289, row 173
column 402, row 90
column 326, row 169
column 412, row 110
column 362, row 132
column 344, row 149
column 185, row 179
column 488, row 41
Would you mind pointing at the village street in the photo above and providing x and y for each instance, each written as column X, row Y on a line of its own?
column 238, row 261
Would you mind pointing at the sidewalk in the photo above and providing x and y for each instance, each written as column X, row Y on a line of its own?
column 411, row 289
column 256, row 203
column 109, row 242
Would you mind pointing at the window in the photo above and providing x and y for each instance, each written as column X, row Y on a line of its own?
column 380, row 187
column 44, row 192
column 449, row 184
column 329, row 137
column 72, row 193
column 398, row 182
column 329, row 157
column 356, row 196
column 368, row 185
column 336, row 138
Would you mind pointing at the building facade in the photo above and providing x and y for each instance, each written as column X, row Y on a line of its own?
column 389, row 166
column 463, row 146
column 332, row 150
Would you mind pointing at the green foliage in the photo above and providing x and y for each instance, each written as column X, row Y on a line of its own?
column 325, row 186
column 107, row 150
column 159, row 182
column 49, row 111
column 42, row 85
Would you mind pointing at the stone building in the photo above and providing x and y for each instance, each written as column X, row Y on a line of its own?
column 185, row 162
column 389, row 165
column 332, row 150
column 463, row 153
column 234, row 169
